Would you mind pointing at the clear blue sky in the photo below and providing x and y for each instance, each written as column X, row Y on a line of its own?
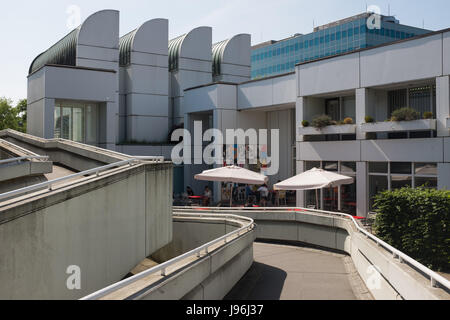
column 29, row 27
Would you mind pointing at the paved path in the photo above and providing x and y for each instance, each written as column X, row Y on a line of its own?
column 282, row 272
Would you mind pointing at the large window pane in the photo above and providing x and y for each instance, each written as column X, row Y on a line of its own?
column 401, row 167
column 426, row 169
column 426, row 182
column 57, row 129
column 91, row 124
column 330, row 199
column 398, row 182
column 330, row 166
column 312, row 164
column 348, row 198
column 78, row 125
column 377, row 184
column 348, row 167
column 378, row 167
column 66, row 125
column 310, row 199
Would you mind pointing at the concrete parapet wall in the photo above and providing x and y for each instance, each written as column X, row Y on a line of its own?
column 210, row 277
column 387, row 278
column 104, row 225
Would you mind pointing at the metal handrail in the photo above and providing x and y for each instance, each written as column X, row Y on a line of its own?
column 96, row 171
column 163, row 267
column 434, row 277
column 20, row 159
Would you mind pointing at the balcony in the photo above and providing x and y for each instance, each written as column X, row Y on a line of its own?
column 400, row 126
column 329, row 130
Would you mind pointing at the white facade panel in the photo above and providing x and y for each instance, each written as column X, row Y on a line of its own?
column 329, row 75
column 195, row 64
column 147, row 129
column 402, row 62
column 149, row 80
column 149, row 59
column 254, row 94
column 91, row 85
column 227, row 97
column 147, row 105
column 97, row 64
column 330, row 151
column 36, row 86
column 284, row 90
column 201, row 99
column 446, row 149
column 446, row 50
column 405, row 150
column 97, row 53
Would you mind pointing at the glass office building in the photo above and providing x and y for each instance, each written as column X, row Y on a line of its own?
column 278, row 57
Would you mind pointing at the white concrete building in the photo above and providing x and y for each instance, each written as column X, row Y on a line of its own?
column 370, row 82
column 168, row 84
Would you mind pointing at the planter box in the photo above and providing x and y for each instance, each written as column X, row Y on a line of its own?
column 338, row 129
column 416, row 125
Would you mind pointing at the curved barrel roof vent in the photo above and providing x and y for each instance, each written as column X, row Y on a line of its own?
column 174, row 51
column 64, row 52
column 217, row 56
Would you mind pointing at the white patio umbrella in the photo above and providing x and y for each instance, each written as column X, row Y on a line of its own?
column 314, row 179
column 232, row 174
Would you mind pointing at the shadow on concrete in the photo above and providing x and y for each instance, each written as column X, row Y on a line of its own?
column 261, row 282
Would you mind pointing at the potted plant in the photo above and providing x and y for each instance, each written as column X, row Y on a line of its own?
column 322, row 122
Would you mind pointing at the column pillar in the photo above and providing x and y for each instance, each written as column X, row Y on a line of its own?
column 442, row 105
column 362, row 189
column 362, row 110
column 300, row 194
column 444, row 176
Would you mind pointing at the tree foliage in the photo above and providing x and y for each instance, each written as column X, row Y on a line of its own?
column 13, row 117
column 416, row 222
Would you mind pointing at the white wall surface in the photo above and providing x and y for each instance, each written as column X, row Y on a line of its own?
column 329, row 75
column 446, row 54
column 270, row 92
column 404, row 150
column 402, row 62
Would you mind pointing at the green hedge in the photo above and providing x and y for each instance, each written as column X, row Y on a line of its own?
column 416, row 222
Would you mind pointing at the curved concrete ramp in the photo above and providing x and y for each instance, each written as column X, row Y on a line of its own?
column 283, row 272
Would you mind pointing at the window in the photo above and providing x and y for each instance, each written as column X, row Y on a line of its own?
column 350, row 32
column 396, row 175
column 421, row 99
column 76, row 121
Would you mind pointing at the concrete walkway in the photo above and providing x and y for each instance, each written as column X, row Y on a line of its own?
column 282, row 272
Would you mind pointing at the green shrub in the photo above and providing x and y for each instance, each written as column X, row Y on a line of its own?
column 369, row 119
column 348, row 121
column 416, row 222
column 305, row 123
column 322, row 122
column 405, row 114
column 428, row 115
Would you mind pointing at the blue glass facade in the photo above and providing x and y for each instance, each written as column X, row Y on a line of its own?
column 281, row 57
